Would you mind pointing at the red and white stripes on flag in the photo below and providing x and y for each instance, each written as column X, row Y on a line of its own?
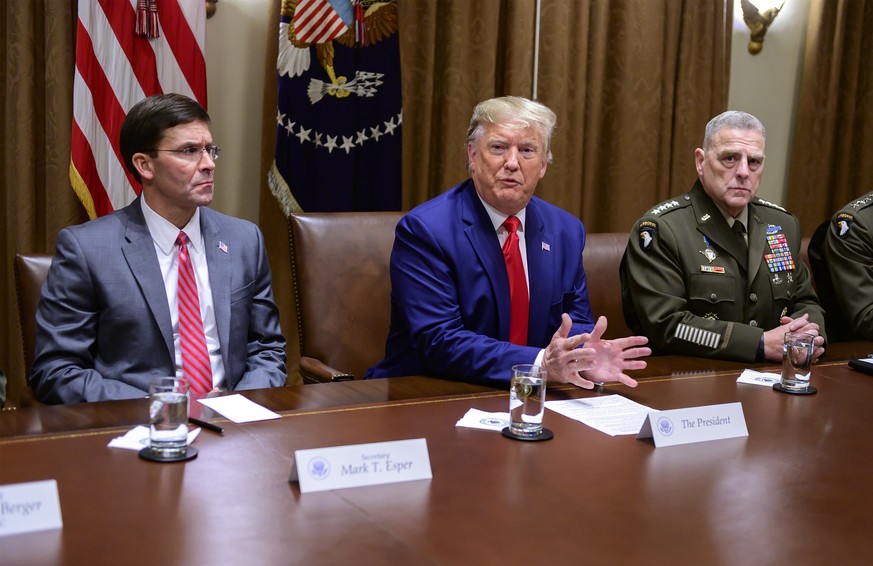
column 115, row 69
column 317, row 21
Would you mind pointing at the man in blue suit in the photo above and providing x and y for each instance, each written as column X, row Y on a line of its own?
column 108, row 320
column 454, row 309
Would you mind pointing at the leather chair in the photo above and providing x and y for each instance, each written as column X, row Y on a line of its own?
column 342, row 289
column 601, row 259
column 30, row 273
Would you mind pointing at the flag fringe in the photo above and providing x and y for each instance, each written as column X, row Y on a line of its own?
column 282, row 191
column 81, row 190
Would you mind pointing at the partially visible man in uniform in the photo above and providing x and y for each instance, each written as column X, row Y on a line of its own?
column 717, row 272
column 487, row 275
column 841, row 254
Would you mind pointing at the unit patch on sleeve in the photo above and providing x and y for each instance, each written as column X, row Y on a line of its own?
column 843, row 223
column 648, row 229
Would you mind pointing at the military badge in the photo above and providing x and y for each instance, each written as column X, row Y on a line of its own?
column 779, row 258
column 842, row 223
column 711, row 269
column 709, row 254
column 648, row 229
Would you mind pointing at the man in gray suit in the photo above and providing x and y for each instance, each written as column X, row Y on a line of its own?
column 108, row 321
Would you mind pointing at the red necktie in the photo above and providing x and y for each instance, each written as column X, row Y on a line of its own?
column 518, row 312
column 195, row 359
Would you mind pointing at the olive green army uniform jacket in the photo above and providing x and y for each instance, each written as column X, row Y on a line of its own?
column 848, row 255
column 690, row 287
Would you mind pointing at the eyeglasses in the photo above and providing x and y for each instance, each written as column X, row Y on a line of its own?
column 194, row 153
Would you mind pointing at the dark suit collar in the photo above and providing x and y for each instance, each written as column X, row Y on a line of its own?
column 142, row 260
column 540, row 265
column 219, row 248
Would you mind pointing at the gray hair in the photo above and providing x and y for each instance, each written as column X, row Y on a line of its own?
column 514, row 112
column 732, row 119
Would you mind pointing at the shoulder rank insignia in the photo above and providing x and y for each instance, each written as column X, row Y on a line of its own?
column 842, row 224
column 863, row 201
column 648, row 229
column 770, row 204
column 664, row 207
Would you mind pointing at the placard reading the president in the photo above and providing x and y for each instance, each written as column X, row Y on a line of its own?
column 322, row 469
column 29, row 507
column 694, row 424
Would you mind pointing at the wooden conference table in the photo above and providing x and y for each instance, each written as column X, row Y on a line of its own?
column 796, row 490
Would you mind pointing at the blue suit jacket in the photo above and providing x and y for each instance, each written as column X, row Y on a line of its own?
column 450, row 291
column 103, row 323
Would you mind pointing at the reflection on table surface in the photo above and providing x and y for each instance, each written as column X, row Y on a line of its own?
column 791, row 492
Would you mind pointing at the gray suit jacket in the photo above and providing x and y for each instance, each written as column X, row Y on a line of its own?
column 104, row 327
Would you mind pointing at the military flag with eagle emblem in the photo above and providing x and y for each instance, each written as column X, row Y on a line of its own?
column 338, row 121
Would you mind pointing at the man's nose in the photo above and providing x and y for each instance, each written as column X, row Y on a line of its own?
column 511, row 158
column 206, row 161
column 743, row 169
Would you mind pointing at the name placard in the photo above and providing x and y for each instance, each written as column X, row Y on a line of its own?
column 694, row 424
column 357, row 465
column 29, row 507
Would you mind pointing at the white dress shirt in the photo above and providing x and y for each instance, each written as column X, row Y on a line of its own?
column 164, row 234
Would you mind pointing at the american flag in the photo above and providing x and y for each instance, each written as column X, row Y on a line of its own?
column 115, row 69
column 318, row 21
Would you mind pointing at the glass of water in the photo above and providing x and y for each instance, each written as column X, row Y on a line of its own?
column 527, row 397
column 168, row 417
column 797, row 352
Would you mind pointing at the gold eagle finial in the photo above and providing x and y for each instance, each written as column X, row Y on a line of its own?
column 758, row 23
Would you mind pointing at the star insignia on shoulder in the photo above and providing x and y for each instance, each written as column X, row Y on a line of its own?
column 862, row 202
column 771, row 205
column 664, row 207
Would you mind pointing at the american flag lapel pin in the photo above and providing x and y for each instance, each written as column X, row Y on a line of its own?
column 222, row 246
column 546, row 247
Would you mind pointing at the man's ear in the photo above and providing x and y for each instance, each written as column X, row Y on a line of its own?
column 471, row 156
column 699, row 158
column 144, row 165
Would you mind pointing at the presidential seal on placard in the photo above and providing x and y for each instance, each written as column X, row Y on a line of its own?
column 665, row 426
column 319, row 468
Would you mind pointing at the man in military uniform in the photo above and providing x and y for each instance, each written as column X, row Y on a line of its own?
column 717, row 272
column 841, row 254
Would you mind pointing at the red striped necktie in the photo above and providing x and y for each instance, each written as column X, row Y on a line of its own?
column 518, row 299
column 195, row 358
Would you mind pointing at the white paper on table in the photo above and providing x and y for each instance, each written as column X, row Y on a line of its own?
column 753, row 377
column 611, row 414
column 239, row 409
column 485, row 421
column 137, row 438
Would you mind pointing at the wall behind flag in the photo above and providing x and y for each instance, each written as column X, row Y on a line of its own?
column 236, row 64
